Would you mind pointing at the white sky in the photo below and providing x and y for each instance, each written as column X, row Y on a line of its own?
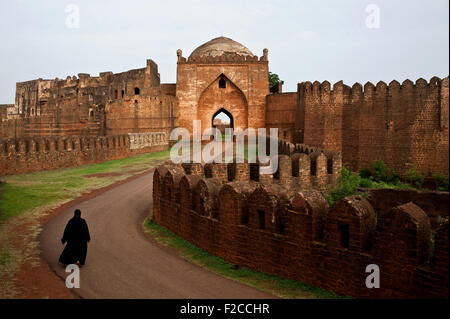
column 307, row 40
column 222, row 116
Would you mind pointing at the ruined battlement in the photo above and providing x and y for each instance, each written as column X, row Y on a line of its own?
column 24, row 155
column 265, row 226
column 107, row 104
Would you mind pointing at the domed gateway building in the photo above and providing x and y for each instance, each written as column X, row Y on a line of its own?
column 222, row 76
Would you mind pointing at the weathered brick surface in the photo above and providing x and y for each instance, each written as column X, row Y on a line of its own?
column 297, row 236
column 280, row 113
column 110, row 104
column 402, row 125
column 246, row 85
column 26, row 155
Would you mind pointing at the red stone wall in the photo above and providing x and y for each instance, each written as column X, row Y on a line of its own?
column 152, row 112
column 110, row 104
column 402, row 125
column 199, row 96
column 299, row 237
column 12, row 128
column 27, row 155
column 281, row 112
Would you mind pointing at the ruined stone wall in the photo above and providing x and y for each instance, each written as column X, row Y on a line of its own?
column 402, row 125
column 4, row 111
column 142, row 113
column 199, row 95
column 26, row 155
column 297, row 236
column 281, row 112
column 110, row 104
column 12, row 128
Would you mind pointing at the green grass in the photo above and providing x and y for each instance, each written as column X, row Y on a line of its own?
column 26, row 192
column 25, row 198
column 277, row 286
column 5, row 256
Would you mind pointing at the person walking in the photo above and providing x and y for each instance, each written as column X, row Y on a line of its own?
column 76, row 235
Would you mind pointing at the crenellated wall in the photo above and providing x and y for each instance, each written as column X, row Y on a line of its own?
column 26, row 155
column 265, row 226
column 299, row 168
column 401, row 124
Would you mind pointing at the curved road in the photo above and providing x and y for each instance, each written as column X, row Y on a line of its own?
column 123, row 263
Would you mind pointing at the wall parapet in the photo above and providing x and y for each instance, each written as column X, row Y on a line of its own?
column 24, row 155
column 403, row 124
column 296, row 235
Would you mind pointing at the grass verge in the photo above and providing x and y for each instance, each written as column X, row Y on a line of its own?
column 25, row 198
column 277, row 286
column 41, row 190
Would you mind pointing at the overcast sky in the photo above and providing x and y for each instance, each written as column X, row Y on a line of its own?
column 307, row 40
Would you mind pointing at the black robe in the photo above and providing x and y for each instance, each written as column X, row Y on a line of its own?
column 76, row 234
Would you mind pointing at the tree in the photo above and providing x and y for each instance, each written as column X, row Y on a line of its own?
column 274, row 79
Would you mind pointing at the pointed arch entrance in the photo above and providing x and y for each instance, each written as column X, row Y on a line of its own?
column 222, row 99
column 222, row 120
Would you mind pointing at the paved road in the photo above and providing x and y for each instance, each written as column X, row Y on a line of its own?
column 123, row 263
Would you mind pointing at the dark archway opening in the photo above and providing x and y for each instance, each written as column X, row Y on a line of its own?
column 222, row 83
column 222, row 120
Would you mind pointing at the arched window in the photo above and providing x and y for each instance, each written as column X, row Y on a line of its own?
column 116, row 94
column 123, row 93
column 262, row 219
column 222, row 83
column 137, row 91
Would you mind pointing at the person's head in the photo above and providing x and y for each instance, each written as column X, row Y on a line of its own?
column 77, row 213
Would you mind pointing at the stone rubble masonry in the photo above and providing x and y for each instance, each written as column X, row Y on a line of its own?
column 279, row 230
column 110, row 104
column 27, row 155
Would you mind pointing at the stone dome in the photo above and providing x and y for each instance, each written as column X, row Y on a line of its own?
column 220, row 46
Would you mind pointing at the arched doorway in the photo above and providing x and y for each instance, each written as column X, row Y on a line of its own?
column 222, row 97
column 222, row 120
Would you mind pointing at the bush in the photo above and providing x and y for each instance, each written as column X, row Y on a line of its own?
column 347, row 185
column 381, row 174
column 365, row 173
column 441, row 182
column 366, row 183
column 379, row 171
column 414, row 177
column 392, row 178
